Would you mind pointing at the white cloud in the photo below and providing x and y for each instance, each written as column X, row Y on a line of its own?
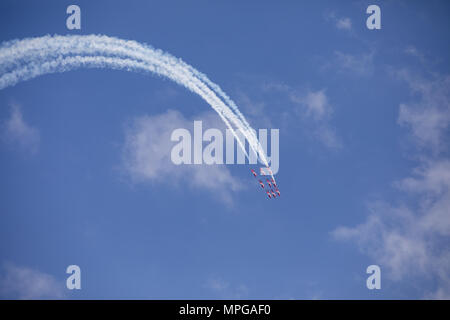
column 147, row 151
column 314, row 108
column 17, row 131
column 429, row 116
column 412, row 239
column 341, row 23
column 316, row 104
column 25, row 283
column 278, row 105
column 344, row 24
column 396, row 248
column 430, row 177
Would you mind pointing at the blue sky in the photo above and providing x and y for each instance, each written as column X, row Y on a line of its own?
column 364, row 162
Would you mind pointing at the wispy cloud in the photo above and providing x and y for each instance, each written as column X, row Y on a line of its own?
column 341, row 23
column 225, row 290
column 413, row 51
column 327, row 135
column 410, row 239
column 428, row 118
column 357, row 64
column 147, row 155
column 16, row 131
column 273, row 104
column 256, row 110
column 315, row 104
column 314, row 108
column 344, row 24
column 17, row 282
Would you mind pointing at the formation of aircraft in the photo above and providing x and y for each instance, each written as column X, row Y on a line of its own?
column 274, row 184
column 261, row 184
column 271, row 186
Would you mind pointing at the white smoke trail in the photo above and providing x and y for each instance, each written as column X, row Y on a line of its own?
column 25, row 59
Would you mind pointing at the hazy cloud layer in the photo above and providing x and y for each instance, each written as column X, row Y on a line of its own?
column 17, row 282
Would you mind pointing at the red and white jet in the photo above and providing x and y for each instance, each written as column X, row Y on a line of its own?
column 253, row 171
column 278, row 191
column 274, row 183
column 268, row 194
column 268, row 182
column 261, row 184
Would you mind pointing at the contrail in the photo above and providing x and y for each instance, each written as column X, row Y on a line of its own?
column 21, row 60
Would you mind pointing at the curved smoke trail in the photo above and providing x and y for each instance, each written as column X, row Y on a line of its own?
column 25, row 59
